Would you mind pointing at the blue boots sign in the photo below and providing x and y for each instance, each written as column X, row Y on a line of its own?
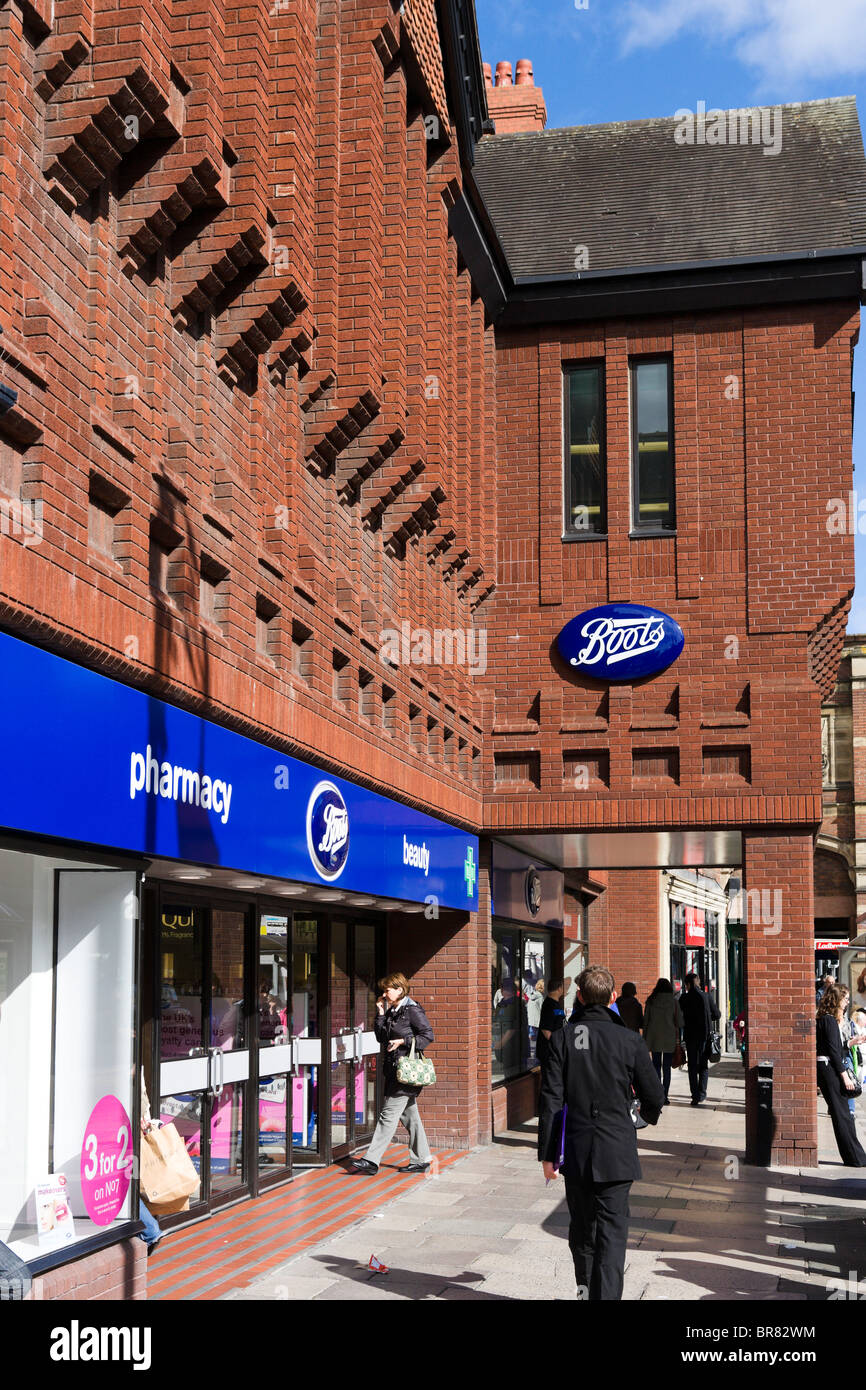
column 620, row 642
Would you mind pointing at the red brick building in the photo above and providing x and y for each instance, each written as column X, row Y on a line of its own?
column 282, row 367
column 716, row 760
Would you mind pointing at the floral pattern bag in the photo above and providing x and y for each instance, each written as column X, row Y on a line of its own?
column 415, row 1071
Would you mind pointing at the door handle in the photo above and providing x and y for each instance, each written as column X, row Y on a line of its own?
column 198, row 1052
column 216, row 1069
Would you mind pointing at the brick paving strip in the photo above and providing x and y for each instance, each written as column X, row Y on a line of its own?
column 226, row 1253
column 704, row 1225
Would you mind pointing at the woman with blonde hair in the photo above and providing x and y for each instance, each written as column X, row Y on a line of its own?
column 399, row 1020
column 834, row 1079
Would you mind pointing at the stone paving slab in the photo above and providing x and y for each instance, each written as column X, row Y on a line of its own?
column 488, row 1229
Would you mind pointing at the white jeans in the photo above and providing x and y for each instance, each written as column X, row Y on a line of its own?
column 395, row 1109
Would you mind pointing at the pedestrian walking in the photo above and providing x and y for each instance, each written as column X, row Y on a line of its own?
column 595, row 1066
column 699, row 1013
column 822, row 984
column 858, row 1050
column 663, row 1022
column 834, row 1080
column 630, row 1010
column 399, row 1020
column 552, row 1015
column 860, row 989
column 851, row 1034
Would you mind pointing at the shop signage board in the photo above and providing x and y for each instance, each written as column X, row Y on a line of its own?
column 98, row 762
column 833, row 944
column 696, row 927
column 620, row 642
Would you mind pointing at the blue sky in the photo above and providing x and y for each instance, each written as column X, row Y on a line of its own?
column 626, row 59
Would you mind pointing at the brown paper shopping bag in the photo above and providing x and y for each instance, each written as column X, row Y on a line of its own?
column 168, row 1176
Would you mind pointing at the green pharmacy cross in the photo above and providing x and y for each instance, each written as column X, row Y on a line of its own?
column 470, row 870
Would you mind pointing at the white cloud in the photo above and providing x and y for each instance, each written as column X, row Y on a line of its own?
column 781, row 39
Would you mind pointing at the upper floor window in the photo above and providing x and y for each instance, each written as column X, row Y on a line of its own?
column 585, row 463
column 652, row 435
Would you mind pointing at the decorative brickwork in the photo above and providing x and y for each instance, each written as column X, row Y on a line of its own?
column 246, row 338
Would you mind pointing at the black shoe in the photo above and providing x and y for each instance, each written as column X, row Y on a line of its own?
column 369, row 1170
column 696, row 1102
column 415, row 1168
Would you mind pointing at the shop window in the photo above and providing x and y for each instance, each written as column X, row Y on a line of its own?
column 67, row 976
column 522, row 964
column 652, row 439
column 585, row 461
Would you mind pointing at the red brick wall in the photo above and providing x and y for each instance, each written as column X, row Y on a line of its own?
column 780, row 994
column 120, row 1272
column 449, row 963
column 627, row 939
column 243, row 336
column 740, row 697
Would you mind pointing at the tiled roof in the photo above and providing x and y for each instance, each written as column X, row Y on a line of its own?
column 634, row 197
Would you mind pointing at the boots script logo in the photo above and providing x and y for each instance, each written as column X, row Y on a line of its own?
column 621, row 641
column 327, row 830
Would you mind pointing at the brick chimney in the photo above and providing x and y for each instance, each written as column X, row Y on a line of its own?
column 515, row 106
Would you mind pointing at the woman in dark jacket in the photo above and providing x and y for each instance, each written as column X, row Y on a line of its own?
column 662, row 1022
column 399, row 1020
column 833, row 1078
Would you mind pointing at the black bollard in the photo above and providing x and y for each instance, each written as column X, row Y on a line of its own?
column 765, row 1128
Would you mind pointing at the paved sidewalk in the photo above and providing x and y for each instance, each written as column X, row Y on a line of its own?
column 703, row 1224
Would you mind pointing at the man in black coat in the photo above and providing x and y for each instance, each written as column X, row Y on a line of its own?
column 699, row 1012
column 593, row 1066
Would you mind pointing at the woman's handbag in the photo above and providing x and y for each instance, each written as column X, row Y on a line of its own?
column 853, row 1094
column 714, row 1047
column 415, row 1071
column 168, row 1176
column 679, row 1055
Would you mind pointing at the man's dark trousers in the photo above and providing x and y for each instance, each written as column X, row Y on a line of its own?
column 598, row 1236
column 699, row 1071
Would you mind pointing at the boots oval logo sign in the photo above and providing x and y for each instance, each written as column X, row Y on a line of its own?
column 620, row 642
